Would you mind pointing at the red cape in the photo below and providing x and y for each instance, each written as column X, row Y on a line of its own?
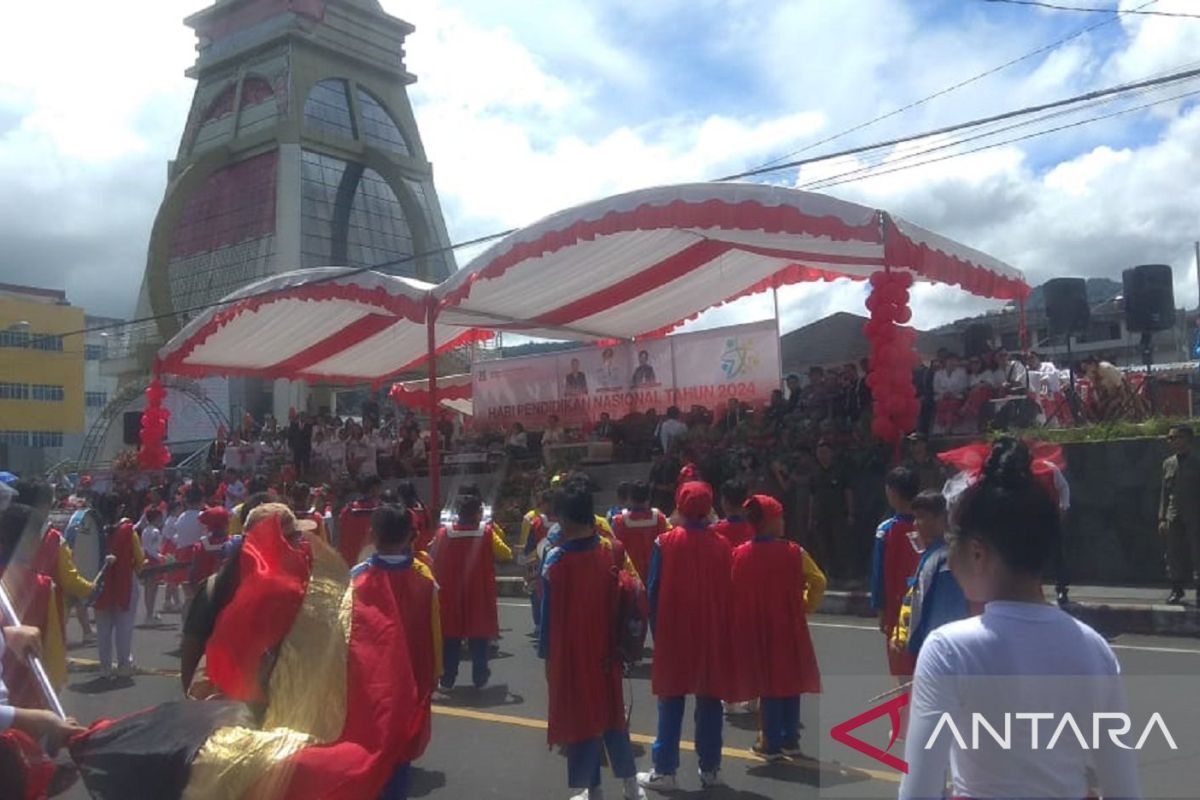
column 466, row 575
column 273, row 577
column 118, row 580
column 735, row 531
column 354, row 529
column 384, row 715
column 691, row 635
column 637, row 530
column 775, row 656
column 583, row 673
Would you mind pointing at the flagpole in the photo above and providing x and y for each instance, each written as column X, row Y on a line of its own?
column 35, row 663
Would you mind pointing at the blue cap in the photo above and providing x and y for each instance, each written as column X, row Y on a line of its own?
column 8, row 479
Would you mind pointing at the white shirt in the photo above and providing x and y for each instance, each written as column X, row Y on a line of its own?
column 1049, row 379
column 152, row 541
column 7, row 712
column 188, row 529
column 669, row 431
column 1015, row 658
column 168, row 529
column 950, row 383
column 362, row 453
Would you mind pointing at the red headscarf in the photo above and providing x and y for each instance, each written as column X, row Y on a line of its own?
column 762, row 508
column 694, row 500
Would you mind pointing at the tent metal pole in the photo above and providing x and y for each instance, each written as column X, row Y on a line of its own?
column 435, row 461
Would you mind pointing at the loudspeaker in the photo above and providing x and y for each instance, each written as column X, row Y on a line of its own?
column 1149, row 298
column 133, row 427
column 977, row 339
column 1067, row 308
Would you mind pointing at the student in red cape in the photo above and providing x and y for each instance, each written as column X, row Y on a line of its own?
column 893, row 561
column 776, row 585
column 638, row 526
column 690, row 591
column 116, row 604
column 354, row 523
column 393, row 569
column 734, row 527
column 583, row 668
column 463, row 561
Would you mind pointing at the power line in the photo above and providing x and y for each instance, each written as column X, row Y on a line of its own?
column 820, row 183
column 949, row 89
column 836, row 180
column 1069, row 101
column 1076, row 99
column 1094, row 9
column 315, row 282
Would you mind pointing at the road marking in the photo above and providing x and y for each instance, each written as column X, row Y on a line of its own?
column 1137, row 647
column 1149, row 649
column 91, row 665
column 640, row 738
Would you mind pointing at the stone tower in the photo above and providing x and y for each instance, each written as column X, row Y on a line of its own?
column 300, row 150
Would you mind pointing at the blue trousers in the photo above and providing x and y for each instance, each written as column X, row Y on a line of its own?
column 709, row 720
column 452, row 655
column 583, row 759
column 535, row 606
column 780, row 722
column 397, row 787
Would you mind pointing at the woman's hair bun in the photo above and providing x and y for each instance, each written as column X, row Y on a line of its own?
column 1010, row 465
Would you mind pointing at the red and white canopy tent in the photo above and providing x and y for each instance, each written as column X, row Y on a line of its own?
column 453, row 392
column 631, row 266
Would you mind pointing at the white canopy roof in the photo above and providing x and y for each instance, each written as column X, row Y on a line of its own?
column 640, row 264
column 329, row 324
column 630, row 266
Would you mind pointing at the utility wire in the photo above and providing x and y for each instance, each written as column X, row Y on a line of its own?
column 1069, row 101
column 1094, row 9
column 1076, row 99
column 953, row 87
column 840, row 179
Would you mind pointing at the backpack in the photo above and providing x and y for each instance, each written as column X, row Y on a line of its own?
column 633, row 611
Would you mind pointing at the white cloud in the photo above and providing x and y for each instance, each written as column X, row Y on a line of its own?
column 527, row 107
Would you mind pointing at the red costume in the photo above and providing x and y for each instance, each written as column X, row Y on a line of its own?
column 775, row 656
column 735, row 530
column 690, row 592
column 206, row 554
column 354, row 529
column 463, row 564
column 119, row 577
column 582, row 669
column 422, row 529
column 894, row 562
column 411, row 584
column 637, row 529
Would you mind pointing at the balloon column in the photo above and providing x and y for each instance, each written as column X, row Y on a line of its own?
column 893, row 358
column 153, row 454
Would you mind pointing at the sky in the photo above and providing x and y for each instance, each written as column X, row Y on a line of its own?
column 526, row 107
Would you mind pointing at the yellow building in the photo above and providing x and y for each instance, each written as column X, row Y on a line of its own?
column 41, row 371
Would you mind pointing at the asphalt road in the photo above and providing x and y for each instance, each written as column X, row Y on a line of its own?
column 491, row 743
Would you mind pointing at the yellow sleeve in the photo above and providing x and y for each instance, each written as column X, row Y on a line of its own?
column 235, row 521
column 500, row 550
column 814, row 583
column 69, row 581
column 435, row 623
column 630, row 568
column 498, row 530
column 904, row 621
column 604, row 527
column 139, row 557
column 664, row 524
column 526, row 527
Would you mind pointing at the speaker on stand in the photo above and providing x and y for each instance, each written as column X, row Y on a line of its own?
column 1149, row 308
column 1067, row 313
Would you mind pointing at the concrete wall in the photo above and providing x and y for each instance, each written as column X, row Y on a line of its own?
column 1112, row 529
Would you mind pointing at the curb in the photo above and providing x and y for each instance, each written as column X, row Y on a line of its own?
column 1108, row 619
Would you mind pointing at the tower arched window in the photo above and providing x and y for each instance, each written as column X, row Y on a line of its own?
column 327, row 108
column 378, row 127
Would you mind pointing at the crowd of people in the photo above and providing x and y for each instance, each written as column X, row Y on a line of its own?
column 998, row 389
column 717, row 577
